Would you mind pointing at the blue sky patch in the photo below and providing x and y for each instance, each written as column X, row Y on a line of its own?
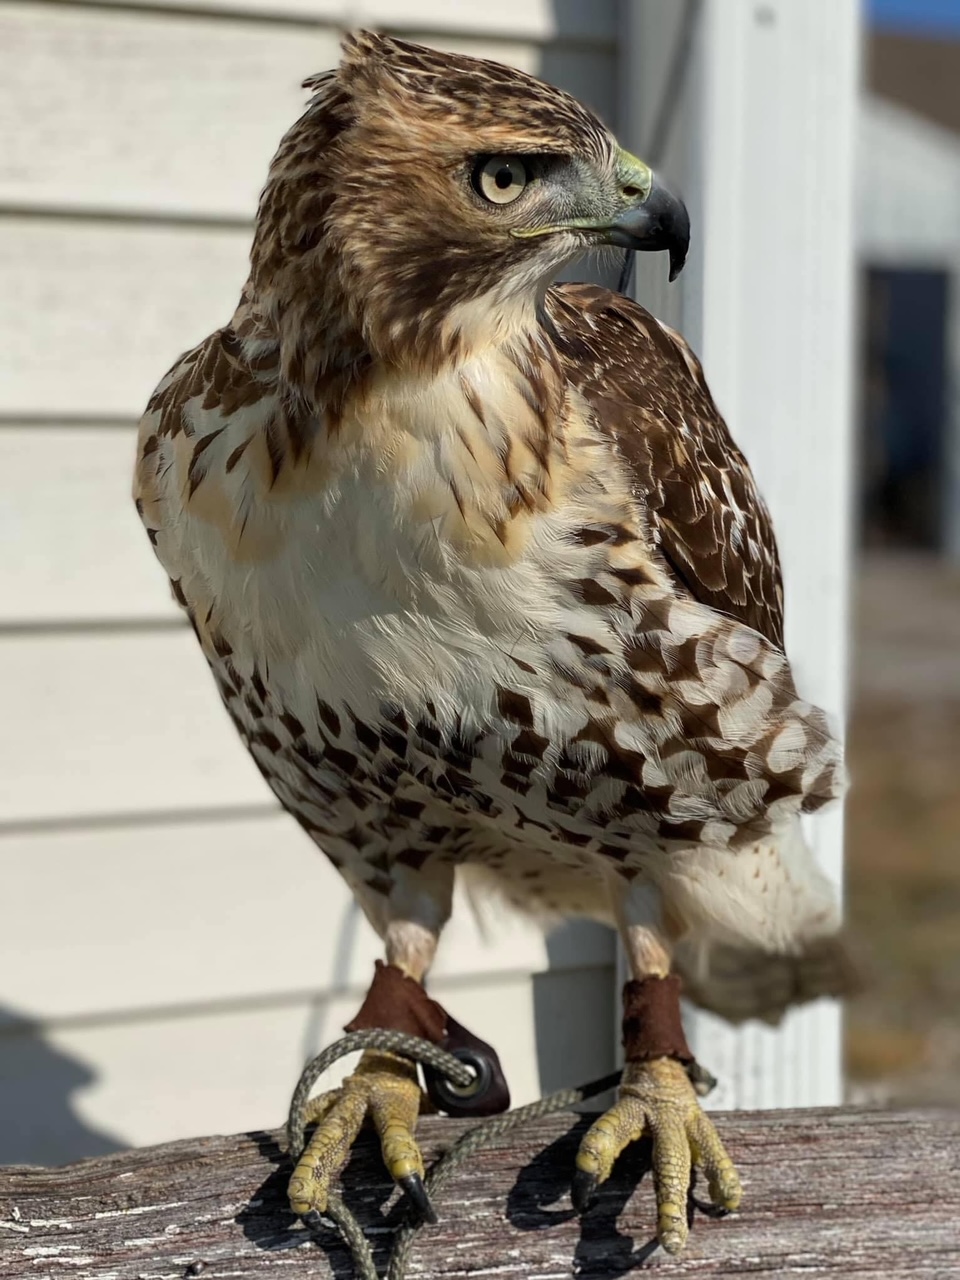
column 925, row 17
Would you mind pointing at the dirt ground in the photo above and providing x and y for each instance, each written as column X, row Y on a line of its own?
column 903, row 830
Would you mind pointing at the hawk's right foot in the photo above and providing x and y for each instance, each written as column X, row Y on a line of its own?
column 385, row 1088
column 657, row 1100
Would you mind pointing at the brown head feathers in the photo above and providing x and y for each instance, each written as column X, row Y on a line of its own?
column 371, row 238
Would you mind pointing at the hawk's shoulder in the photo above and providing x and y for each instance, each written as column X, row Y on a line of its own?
column 212, row 441
column 650, row 397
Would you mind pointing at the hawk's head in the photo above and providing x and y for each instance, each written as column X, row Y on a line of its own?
column 425, row 197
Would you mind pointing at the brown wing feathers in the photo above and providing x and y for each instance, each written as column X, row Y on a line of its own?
column 648, row 389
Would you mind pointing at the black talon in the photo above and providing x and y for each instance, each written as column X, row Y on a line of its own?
column 703, row 1081
column 709, row 1210
column 313, row 1218
column 416, row 1193
column 583, row 1190
column 695, row 1204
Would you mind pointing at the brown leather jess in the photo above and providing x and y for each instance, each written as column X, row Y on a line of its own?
column 398, row 1003
column 652, row 1026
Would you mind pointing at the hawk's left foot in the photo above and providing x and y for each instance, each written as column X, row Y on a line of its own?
column 657, row 1099
column 385, row 1088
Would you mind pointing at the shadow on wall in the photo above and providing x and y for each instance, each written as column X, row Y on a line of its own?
column 38, row 1083
column 576, row 1011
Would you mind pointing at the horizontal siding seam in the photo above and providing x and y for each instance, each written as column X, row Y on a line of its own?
column 168, row 219
column 91, row 626
column 227, row 13
column 11, row 420
column 581, row 43
column 70, row 824
column 232, row 1005
column 270, row 17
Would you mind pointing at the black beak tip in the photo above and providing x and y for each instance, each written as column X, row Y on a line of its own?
column 679, row 243
column 660, row 222
column 678, row 257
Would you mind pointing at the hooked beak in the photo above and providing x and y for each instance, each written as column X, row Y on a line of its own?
column 650, row 217
column 655, row 219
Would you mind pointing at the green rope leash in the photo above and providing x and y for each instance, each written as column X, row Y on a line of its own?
column 428, row 1054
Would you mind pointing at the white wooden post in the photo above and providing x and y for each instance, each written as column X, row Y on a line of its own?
column 763, row 146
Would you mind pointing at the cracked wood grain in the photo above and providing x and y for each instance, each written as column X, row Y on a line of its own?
column 827, row 1193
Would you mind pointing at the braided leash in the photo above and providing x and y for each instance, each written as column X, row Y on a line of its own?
column 427, row 1054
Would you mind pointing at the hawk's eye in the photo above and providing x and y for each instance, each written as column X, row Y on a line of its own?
column 500, row 179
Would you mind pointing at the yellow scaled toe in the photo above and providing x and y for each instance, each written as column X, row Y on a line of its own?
column 385, row 1088
column 656, row 1098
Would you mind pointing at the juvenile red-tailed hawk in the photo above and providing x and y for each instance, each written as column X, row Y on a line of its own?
column 485, row 583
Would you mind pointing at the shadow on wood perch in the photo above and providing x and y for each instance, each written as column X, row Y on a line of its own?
column 827, row 1192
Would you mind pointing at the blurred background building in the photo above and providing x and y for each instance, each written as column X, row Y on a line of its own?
column 903, row 814
column 171, row 946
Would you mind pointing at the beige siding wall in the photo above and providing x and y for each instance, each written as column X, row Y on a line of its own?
column 172, row 946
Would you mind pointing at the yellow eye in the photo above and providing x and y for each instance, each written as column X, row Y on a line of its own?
column 501, row 179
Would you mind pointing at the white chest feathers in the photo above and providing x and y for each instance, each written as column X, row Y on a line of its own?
column 427, row 545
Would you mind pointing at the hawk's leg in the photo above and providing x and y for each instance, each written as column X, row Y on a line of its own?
column 656, row 1096
column 384, row 1087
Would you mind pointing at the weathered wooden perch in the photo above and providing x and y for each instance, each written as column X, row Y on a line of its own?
column 845, row 1192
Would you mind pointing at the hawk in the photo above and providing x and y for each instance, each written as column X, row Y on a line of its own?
column 488, row 589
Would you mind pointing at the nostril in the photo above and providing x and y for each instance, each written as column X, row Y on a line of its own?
column 633, row 193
